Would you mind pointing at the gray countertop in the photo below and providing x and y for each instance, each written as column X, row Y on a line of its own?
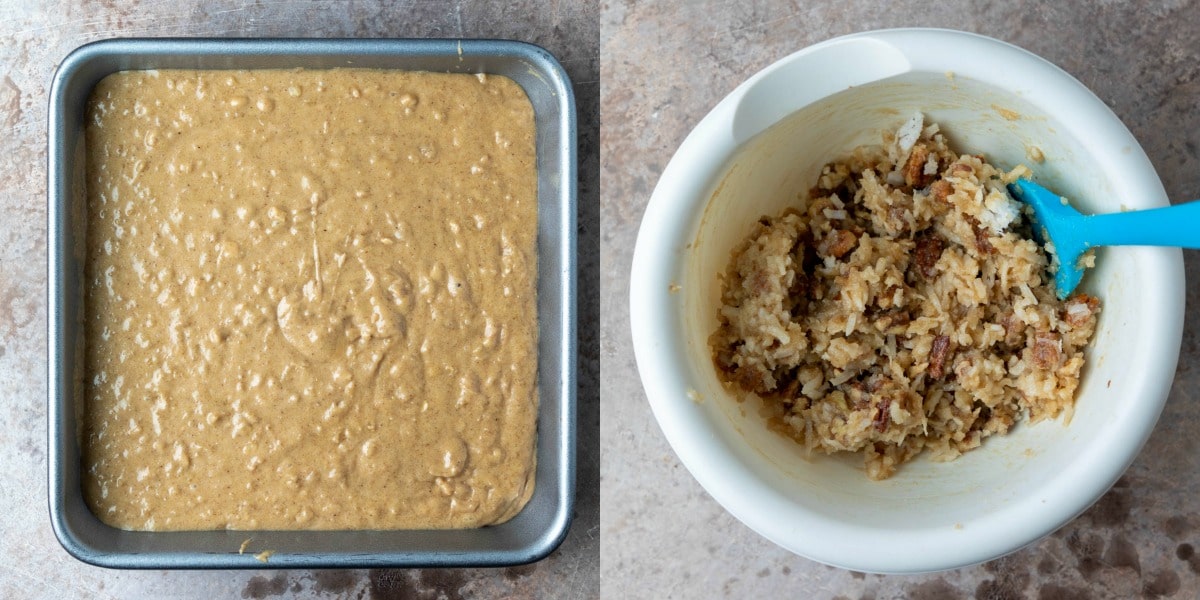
column 664, row 65
column 34, row 36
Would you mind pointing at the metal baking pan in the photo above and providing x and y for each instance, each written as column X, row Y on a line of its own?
column 532, row 534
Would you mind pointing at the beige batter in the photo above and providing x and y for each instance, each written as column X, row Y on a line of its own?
column 311, row 300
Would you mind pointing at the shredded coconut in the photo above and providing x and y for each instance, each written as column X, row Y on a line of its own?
column 900, row 310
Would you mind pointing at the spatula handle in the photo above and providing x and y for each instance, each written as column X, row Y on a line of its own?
column 1177, row 225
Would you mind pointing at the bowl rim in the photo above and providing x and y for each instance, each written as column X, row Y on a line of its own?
column 658, row 331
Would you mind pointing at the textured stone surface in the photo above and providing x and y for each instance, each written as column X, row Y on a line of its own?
column 664, row 65
column 34, row 36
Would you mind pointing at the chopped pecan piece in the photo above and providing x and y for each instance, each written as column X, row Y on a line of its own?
column 926, row 254
column 914, row 169
column 753, row 378
column 883, row 417
column 838, row 243
column 937, row 356
column 1079, row 308
column 982, row 243
column 892, row 319
column 887, row 299
column 941, row 189
column 857, row 395
column 1014, row 329
column 1046, row 348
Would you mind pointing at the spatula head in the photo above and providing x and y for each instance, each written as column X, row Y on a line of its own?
column 1059, row 224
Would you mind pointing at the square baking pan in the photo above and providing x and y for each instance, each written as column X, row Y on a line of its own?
column 540, row 526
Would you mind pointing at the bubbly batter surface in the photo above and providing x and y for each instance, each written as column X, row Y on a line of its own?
column 310, row 300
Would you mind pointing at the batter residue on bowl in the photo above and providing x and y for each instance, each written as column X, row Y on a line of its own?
column 903, row 307
column 310, row 300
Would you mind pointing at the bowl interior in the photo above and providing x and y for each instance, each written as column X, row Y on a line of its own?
column 768, row 173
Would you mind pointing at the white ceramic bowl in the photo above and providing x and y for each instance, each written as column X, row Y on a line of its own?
column 767, row 141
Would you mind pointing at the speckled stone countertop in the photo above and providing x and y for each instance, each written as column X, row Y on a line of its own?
column 664, row 65
column 34, row 36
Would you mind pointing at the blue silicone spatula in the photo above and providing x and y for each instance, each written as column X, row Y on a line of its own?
column 1073, row 233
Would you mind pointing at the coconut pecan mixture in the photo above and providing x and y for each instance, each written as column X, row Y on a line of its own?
column 902, row 305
